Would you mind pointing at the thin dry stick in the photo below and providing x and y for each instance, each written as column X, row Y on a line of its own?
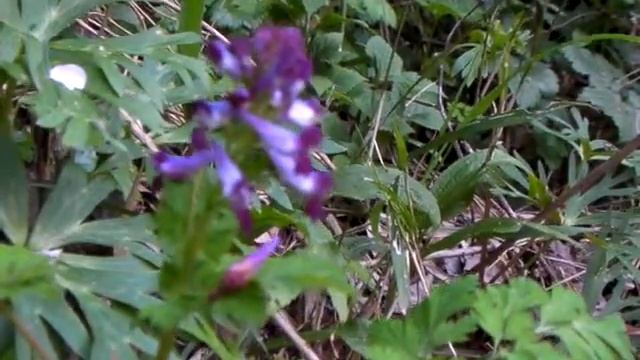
column 583, row 185
column 282, row 319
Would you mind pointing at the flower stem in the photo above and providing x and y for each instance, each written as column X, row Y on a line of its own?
column 190, row 19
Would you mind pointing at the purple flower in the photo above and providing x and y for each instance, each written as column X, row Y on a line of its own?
column 241, row 272
column 282, row 139
column 314, row 185
column 273, row 62
column 234, row 186
column 224, row 58
column 212, row 114
column 179, row 168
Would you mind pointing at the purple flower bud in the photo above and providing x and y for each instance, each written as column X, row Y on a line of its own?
column 224, row 59
column 240, row 273
column 212, row 114
column 181, row 167
column 234, row 186
column 283, row 67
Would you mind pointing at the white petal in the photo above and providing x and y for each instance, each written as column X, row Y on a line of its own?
column 302, row 113
column 71, row 76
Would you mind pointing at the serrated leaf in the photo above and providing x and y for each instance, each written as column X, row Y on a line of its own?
column 14, row 213
column 538, row 83
column 433, row 323
column 595, row 66
column 71, row 201
column 611, row 103
column 115, row 334
column 503, row 311
column 566, row 317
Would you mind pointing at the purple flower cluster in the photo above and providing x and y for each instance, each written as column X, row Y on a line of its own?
column 272, row 69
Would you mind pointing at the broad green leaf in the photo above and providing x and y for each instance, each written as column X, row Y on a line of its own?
column 454, row 188
column 382, row 53
column 55, row 312
column 124, row 279
column 71, row 201
column 10, row 44
column 539, row 82
column 375, row 11
column 286, row 277
column 600, row 72
column 312, row 6
column 114, row 333
column 110, row 232
column 623, row 113
column 14, row 213
column 431, row 324
column 468, row 9
column 21, row 270
column 584, row 337
column 503, row 311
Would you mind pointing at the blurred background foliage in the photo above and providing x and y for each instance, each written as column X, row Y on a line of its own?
column 485, row 196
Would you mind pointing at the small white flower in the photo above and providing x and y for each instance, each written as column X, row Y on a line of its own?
column 302, row 112
column 71, row 76
column 52, row 254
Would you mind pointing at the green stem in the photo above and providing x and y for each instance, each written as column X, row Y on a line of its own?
column 165, row 346
column 190, row 20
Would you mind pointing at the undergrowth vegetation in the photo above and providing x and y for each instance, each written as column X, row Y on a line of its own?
column 319, row 179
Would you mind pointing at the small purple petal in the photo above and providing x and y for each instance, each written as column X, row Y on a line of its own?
column 181, row 167
column 234, row 186
column 279, row 138
column 224, row 59
column 199, row 139
column 212, row 114
column 274, row 136
column 314, row 185
column 240, row 273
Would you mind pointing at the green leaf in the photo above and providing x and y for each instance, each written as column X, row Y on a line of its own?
column 382, row 53
column 57, row 313
column 14, row 213
column 433, row 323
column 458, row 8
column 565, row 316
column 455, row 187
column 613, row 105
column 539, row 82
column 71, row 201
column 21, row 270
column 312, row 6
column 375, row 11
column 286, row 277
column 503, row 311
column 114, row 333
